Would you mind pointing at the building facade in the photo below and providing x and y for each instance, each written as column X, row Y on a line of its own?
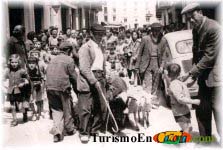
column 131, row 14
column 169, row 12
column 37, row 15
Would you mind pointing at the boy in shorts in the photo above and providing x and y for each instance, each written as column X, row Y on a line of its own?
column 180, row 97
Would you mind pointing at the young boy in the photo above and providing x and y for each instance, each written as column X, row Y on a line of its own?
column 54, row 52
column 43, row 54
column 60, row 78
column 36, row 78
column 42, row 67
column 112, row 58
column 180, row 97
column 117, row 97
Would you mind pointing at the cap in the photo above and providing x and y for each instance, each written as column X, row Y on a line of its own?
column 19, row 30
column 190, row 7
column 156, row 25
column 34, row 51
column 60, row 38
column 32, row 60
column 65, row 45
column 97, row 28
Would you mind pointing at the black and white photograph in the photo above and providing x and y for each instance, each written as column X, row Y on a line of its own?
column 111, row 74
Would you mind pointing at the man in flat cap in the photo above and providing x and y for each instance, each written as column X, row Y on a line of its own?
column 60, row 77
column 90, row 84
column 206, row 63
column 148, row 63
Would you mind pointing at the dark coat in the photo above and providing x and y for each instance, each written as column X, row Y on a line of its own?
column 15, row 46
column 206, row 53
column 144, row 54
column 60, row 73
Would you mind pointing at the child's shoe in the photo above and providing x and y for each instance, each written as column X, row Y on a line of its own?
column 37, row 117
column 14, row 123
column 25, row 117
column 34, row 117
column 42, row 115
column 57, row 138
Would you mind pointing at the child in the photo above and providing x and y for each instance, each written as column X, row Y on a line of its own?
column 43, row 54
column 17, row 81
column 180, row 97
column 120, row 49
column 42, row 67
column 54, row 52
column 112, row 58
column 36, row 78
column 117, row 97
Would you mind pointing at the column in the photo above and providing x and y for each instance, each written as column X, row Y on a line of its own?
column 6, row 21
column 166, row 16
column 73, row 19
column 29, row 18
column 163, row 18
column 174, row 17
column 77, row 20
column 83, row 18
column 55, row 17
column 46, row 16
column 68, row 18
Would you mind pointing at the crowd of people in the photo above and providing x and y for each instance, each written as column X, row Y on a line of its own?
column 113, row 75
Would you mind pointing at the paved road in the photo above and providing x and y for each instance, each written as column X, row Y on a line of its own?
column 37, row 133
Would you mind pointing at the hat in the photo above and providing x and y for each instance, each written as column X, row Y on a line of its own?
column 97, row 28
column 18, row 30
column 60, row 38
column 34, row 51
column 32, row 60
column 65, row 45
column 190, row 7
column 156, row 25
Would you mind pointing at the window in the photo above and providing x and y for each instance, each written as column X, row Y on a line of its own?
column 114, row 10
column 135, row 3
column 147, row 19
column 106, row 18
column 114, row 18
column 185, row 46
column 125, row 19
column 105, row 10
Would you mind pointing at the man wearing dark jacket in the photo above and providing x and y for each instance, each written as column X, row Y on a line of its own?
column 16, row 44
column 206, row 67
column 148, row 61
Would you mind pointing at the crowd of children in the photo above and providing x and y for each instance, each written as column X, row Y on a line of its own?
column 27, row 91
